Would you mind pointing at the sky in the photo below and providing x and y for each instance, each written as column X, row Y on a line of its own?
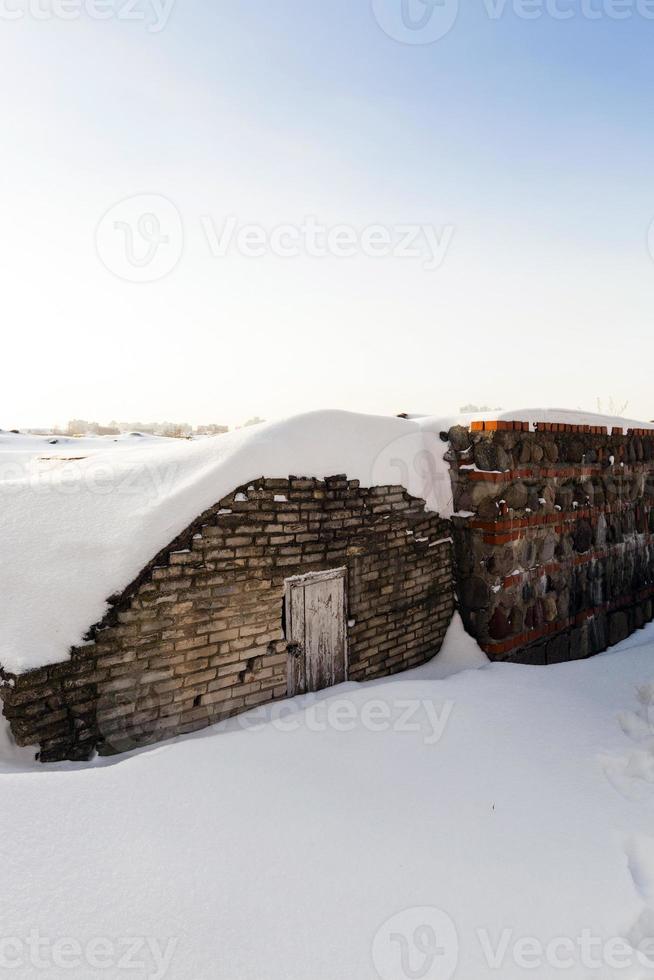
column 214, row 210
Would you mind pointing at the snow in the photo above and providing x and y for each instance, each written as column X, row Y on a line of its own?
column 80, row 518
column 533, row 415
column 16, row 447
column 506, row 806
column 459, row 651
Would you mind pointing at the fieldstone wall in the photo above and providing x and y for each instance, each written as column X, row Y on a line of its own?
column 553, row 543
column 199, row 637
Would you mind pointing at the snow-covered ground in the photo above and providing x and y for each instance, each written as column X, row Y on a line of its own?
column 432, row 825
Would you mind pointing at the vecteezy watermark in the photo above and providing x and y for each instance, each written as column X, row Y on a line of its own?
column 417, row 716
column 37, row 953
column 417, row 944
column 587, row 951
column 426, row 21
column 141, row 239
column 423, row 943
column 93, row 476
column 569, row 9
column 154, row 14
column 416, row 21
column 415, row 461
column 316, row 240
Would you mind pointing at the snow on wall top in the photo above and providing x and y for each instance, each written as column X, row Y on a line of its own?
column 533, row 415
column 80, row 518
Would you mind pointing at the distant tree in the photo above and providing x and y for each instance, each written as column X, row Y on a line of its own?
column 612, row 407
column 175, row 430
column 211, row 430
column 479, row 408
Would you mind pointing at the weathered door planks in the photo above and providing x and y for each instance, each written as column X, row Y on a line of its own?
column 315, row 616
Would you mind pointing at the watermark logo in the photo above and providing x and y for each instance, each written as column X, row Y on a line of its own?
column 586, row 950
column 426, row 21
column 415, row 461
column 94, row 476
column 121, row 726
column 417, row 944
column 422, row 943
column 413, row 716
column 416, row 21
column 141, row 238
column 313, row 239
column 26, row 955
column 153, row 13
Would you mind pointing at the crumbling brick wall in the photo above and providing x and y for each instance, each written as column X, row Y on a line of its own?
column 555, row 558
column 198, row 637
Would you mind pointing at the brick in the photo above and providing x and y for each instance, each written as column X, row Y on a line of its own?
column 203, row 677
column 193, row 643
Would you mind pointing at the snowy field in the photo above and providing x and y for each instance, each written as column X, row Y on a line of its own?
column 496, row 822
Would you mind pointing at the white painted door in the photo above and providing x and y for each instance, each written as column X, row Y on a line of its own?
column 315, row 628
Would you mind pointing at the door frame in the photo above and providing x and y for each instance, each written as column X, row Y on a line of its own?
column 295, row 581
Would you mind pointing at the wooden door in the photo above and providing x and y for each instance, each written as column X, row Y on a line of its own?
column 315, row 628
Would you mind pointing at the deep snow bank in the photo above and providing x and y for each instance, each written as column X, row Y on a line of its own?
column 304, row 840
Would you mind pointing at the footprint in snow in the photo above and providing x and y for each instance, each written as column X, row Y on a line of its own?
column 632, row 772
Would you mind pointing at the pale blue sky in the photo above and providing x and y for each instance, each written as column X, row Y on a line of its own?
column 532, row 140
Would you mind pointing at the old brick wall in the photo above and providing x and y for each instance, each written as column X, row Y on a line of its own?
column 555, row 560
column 198, row 636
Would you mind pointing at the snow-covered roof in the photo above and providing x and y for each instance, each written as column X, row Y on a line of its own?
column 80, row 518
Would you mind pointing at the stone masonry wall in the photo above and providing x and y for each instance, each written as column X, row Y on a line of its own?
column 198, row 637
column 555, row 560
